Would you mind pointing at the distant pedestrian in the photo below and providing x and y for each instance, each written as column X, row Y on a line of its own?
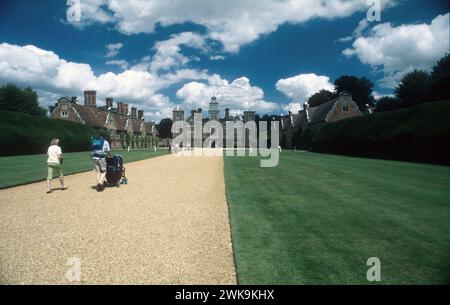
column 54, row 161
column 279, row 149
column 101, row 150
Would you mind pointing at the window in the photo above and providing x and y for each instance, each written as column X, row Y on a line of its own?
column 345, row 109
column 64, row 114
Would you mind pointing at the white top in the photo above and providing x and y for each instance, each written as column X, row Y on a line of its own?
column 105, row 149
column 53, row 154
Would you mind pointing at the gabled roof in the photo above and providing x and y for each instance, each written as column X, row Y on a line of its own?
column 120, row 121
column 135, row 124
column 319, row 113
column 148, row 128
column 92, row 115
column 299, row 118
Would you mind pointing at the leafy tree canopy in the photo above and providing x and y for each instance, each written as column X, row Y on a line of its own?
column 13, row 98
column 387, row 103
column 320, row 97
column 360, row 87
column 440, row 79
column 413, row 88
column 164, row 128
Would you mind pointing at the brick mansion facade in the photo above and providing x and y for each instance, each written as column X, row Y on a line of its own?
column 339, row 108
column 213, row 114
column 125, row 129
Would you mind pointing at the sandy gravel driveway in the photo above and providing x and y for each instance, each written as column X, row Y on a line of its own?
column 169, row 225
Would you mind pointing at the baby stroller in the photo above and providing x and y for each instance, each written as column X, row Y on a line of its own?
column 115, row 172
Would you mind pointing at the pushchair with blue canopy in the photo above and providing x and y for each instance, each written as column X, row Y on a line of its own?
column 115, row 171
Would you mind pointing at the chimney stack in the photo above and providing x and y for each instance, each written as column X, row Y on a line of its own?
column 141, row 114
column 227, row 114
column 109, row 102
column 133, row 112
column 90, row 98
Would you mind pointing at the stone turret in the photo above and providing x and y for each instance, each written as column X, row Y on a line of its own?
column 249, row 115
column 177, row 114
column 213, row 111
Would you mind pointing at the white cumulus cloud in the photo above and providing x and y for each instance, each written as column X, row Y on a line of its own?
column 302, row 86
column 395, row 50
column 53, row 76
column 237, row 95
column 29, row 65
column 232, row 22
column 113, row 49
column 293, row 107
column 168, row 53
column 123, row 64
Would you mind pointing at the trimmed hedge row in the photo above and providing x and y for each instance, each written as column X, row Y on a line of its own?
column 420, row 133
column 22, row 134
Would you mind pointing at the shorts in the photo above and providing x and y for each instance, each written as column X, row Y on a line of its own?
column 56, row 167
column 99, row 165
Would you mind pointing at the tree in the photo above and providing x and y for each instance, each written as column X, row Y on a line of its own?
column 387, row 103
column 13, row 98
column 440, row 79
column 165, row 128
column 413, row 88
column 361, row 88
column 320, row 97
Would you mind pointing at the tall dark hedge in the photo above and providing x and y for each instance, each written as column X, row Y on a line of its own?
column 22, row 134
column 420, row 133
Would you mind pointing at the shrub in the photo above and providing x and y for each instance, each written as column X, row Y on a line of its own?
column 419, row 133
column 22, row 134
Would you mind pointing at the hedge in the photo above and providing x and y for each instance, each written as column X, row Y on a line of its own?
column 420, row 133
column 22, row 134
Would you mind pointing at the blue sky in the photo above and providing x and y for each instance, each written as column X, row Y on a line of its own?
column 272, row 55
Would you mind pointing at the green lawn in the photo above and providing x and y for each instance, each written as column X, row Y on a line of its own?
column 316, row 219
column 16, row 170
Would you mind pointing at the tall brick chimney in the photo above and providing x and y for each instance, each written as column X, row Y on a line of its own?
column 140, row 114
column 133, row 112
column 90, row 98
column 109, row 102
column 125, row 109
column 227, row 114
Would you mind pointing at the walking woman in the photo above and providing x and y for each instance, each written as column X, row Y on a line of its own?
column 54, row 161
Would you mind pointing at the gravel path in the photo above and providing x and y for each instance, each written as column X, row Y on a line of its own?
column 168, row 226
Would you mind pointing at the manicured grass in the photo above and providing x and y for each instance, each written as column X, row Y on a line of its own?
column 317, row 218
column 16, row 170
